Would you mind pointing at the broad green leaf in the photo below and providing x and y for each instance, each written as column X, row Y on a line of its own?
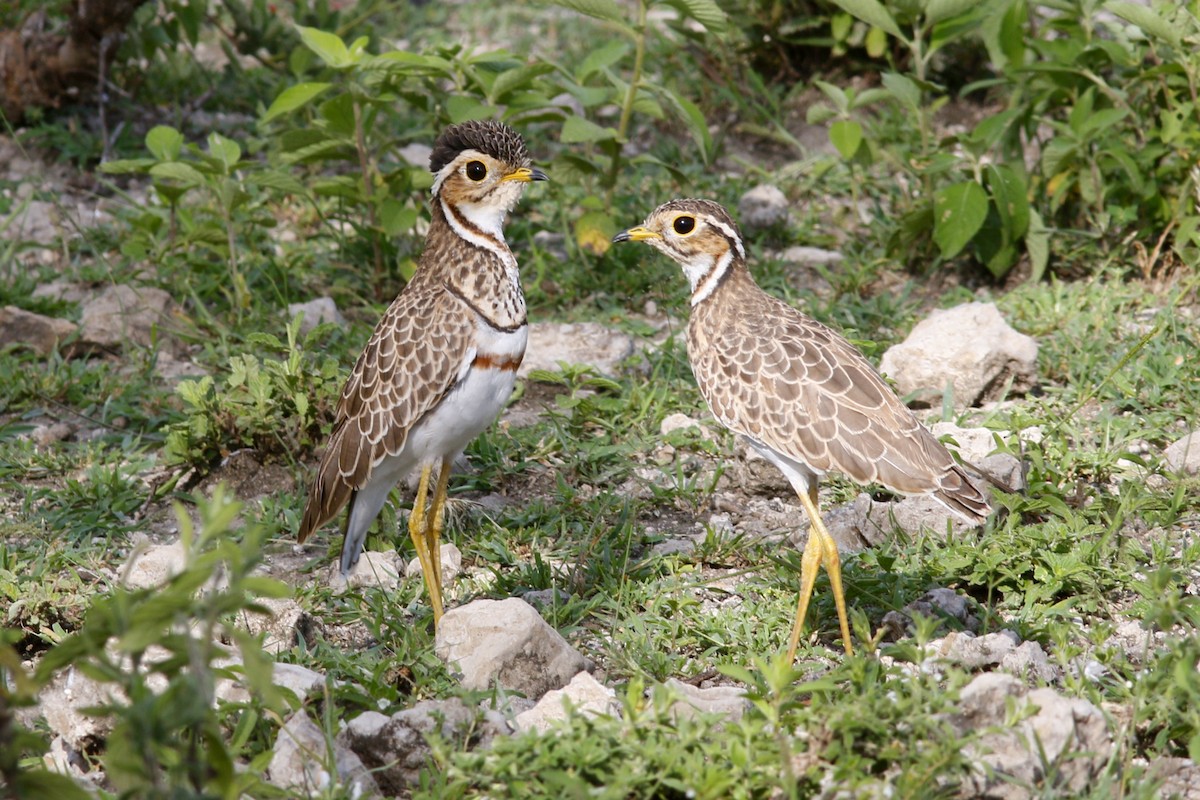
column 846, row 135
column 578, row 129
column 1148, row 20
column 958, row 212
column 903, row 88
column 1099, row 120
column 697, row 125
column 706, row 12
column 294, row 97
column 329, row 47
column 277, row 179
column 873, row 13
column 607, row 10
column 177, row 171
column 395, row 218
column 601, row 58
column 1011, row 199
column 127, row 165
column 938, row 10
column 227, row 151
column 594, row 231
column 462, row 108
column 164, row 143
column 835, row 94
column 1037, row 242
column 876, row 42
column 516, row 78
column 647, row 105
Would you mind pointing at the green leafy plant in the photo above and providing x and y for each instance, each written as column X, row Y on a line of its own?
column 273, row 405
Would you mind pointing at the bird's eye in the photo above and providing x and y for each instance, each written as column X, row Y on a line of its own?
column 684, row 225
column 476, row 171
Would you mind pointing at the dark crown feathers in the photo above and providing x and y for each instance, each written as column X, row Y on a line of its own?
column 487, row 136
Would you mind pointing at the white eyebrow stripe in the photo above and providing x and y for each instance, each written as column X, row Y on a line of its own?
column 731, row 234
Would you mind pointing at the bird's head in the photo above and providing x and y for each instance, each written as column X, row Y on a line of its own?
column 699, row 234
column 480, row 169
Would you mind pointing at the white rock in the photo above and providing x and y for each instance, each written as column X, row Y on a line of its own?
column 396, row 747
column 316, row 312
column 300, row 762
column 154, row 565
column 281, row 627
column 728, row 701
column 811, row 255
column 1030, row 661
column 584, row 694
column 764, row 206
column 296, row 678
column 123, row 315
column 575, row 343
column 451, row 559
column 978, row 446
column 379, row 568
column 969, row 346
column 506, row 641
column 1183, row 455
column 679, row 421
column 39, row 333
column 974, row 652
column 63, row 701
column 416, row 154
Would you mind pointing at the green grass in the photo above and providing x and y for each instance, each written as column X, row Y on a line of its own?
column 1103, row 542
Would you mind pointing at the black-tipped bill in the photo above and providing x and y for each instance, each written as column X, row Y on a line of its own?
column 526, row 174
column 637, row 234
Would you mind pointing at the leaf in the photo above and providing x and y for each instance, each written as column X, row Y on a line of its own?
column 696, row 124
column 607, row 10
column 294, row 97
column 601, row 58
column 846, row 135
column 706, row 12
column 328, row 47
column 873, row 13
column 578, row 129
column 127, row 165
column 462, row 108
column 958, row 213
column 164, row 143
column 396, row 218
column 279, row 180
column 1037, row 243
column 177, row 171
column 594, row 231
column 227, row 151
column 938, row 10
column 904, row 89
column 1011, row 199
column 516, row 78
column 1146, row 19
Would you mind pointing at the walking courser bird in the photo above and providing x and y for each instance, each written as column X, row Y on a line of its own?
column 443, row 359
column 804, row 397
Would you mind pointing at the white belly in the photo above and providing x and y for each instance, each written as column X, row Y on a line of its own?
column 471, row 406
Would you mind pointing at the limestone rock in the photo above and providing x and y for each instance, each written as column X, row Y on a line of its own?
column 977, row 446
column 63, row 701
column 1030, row 661
column 975, row 652
column 1057, row 740
column 936, row 603
column 285, row 623
column 764, row 206
column 374, row 568
column 300, row 762
column 969, row 346
column 584, row 694
column 1183, row 455
column 123, row 315
column 728, row 701
column 575, row 343
column 39, row 333
column 155, row 564
column 316, row 312
column 508, row 642
column 799, row 254
column 451, row 558
column 395, row 747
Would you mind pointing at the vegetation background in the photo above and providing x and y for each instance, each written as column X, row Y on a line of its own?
column 1041, row 155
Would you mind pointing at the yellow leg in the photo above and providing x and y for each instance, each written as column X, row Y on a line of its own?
column 433, row 532
column 821, row 549
column 418, row 522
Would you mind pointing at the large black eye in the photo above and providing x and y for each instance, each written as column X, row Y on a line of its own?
column 476, row 171
column 684, row 225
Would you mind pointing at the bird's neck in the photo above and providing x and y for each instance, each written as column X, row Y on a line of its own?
column 709, row 273
column 475, row 264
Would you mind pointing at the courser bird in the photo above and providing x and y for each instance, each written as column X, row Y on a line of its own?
column 442, row 361
column 799, row 392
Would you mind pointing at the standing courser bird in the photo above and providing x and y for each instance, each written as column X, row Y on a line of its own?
column 804, row 397
column 443, row 359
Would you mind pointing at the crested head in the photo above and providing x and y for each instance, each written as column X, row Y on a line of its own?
column 481, row 169
column 698, row 234
column 487, row 136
